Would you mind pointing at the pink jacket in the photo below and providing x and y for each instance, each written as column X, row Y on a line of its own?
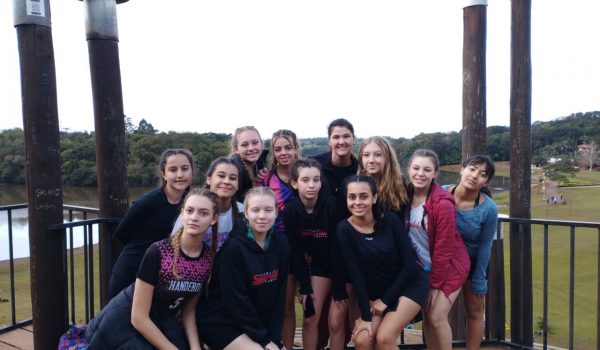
column 450, row 262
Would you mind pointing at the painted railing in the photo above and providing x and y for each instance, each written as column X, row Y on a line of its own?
column 84, row 280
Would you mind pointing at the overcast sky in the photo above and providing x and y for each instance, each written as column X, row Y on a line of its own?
column 392, row 67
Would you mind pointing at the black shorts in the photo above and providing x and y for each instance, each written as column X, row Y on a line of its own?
column 320, row 268
column 418, row 289
column 218, row 335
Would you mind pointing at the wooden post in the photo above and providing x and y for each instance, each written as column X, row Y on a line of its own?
column 521, row 317
column 111, row 162
column 495, row 311
column 474, row 83
column 474, row 122
column 42, row 149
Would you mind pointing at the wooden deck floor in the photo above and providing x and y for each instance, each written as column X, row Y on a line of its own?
column 22, row 339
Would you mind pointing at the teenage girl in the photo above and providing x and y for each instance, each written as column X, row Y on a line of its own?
column 150, row 218
column 222, row 179
column 389, row 285
column 247, row 151
column 376, row 158
column 243, row 308
column 337, row 164
column 170, row 277
column 285, row 151
column 438, row 245
column 476, row 218
column 309, row 221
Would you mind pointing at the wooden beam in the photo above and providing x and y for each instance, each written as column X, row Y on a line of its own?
column 521, row 317
column 474, row 81
column 43, row 171
column 111, row 162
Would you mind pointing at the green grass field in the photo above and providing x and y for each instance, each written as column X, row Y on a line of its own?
column 23, row 291
column 581, row 205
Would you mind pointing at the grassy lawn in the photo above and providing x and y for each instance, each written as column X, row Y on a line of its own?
column 581, row 206
column 583, row 178
column 23, row 290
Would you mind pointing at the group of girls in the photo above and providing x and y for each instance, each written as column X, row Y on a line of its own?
column 365, row 250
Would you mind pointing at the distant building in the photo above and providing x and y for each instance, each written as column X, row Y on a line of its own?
column 584, row 147
column 554, row 160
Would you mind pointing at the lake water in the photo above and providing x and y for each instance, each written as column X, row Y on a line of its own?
column 88, row 197
column 16, row 194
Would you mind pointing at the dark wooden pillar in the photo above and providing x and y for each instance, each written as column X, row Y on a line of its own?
column 474, row 123
column 44, row 185
column 474, row 85
column 495, row 311
column 111, row 162
column 521, row 317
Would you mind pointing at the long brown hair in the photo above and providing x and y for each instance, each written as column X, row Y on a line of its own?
column 211, row 170
column 390, row 184
column 176, row 239
column 290, row 136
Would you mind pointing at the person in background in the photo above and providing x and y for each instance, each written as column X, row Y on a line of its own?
column 337, row 164
column 285, row 151
column 437, row 244
column 376, row 158
column 247, row 152
column 170, row 277
column 150, row 218
column 309, row 221
column 222, row 178
column 244, row 306
column 476, row 218
column 390, row 286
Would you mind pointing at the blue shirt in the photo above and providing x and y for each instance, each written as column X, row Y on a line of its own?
column 477, row 227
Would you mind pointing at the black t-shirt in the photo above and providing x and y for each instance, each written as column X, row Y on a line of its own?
column 170, row 293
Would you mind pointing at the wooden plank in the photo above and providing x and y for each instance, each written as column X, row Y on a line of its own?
column 17, row 339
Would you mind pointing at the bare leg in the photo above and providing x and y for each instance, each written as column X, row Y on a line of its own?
column 393, row 323
column 310, row 325
column 438, row 333
column 289, row 321
column 243, row 342
column 475, row 326
column 338, row 316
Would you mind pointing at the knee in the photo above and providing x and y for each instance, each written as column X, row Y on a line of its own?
column 385, row 339
column 336, row 324
column 475, row 314
column 363, row 341
column 437, row 319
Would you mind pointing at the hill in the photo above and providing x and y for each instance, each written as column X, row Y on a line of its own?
column 558, row 138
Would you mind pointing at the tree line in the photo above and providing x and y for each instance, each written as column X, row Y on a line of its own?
column 558, row 138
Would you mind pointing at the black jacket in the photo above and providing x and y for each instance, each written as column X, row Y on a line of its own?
column 247, row 288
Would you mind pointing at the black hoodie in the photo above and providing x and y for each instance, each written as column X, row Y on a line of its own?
column 247, row 288
column 309, row 234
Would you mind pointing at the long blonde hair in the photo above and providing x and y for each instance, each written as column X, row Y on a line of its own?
column 390, row 184
column 176, row 239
